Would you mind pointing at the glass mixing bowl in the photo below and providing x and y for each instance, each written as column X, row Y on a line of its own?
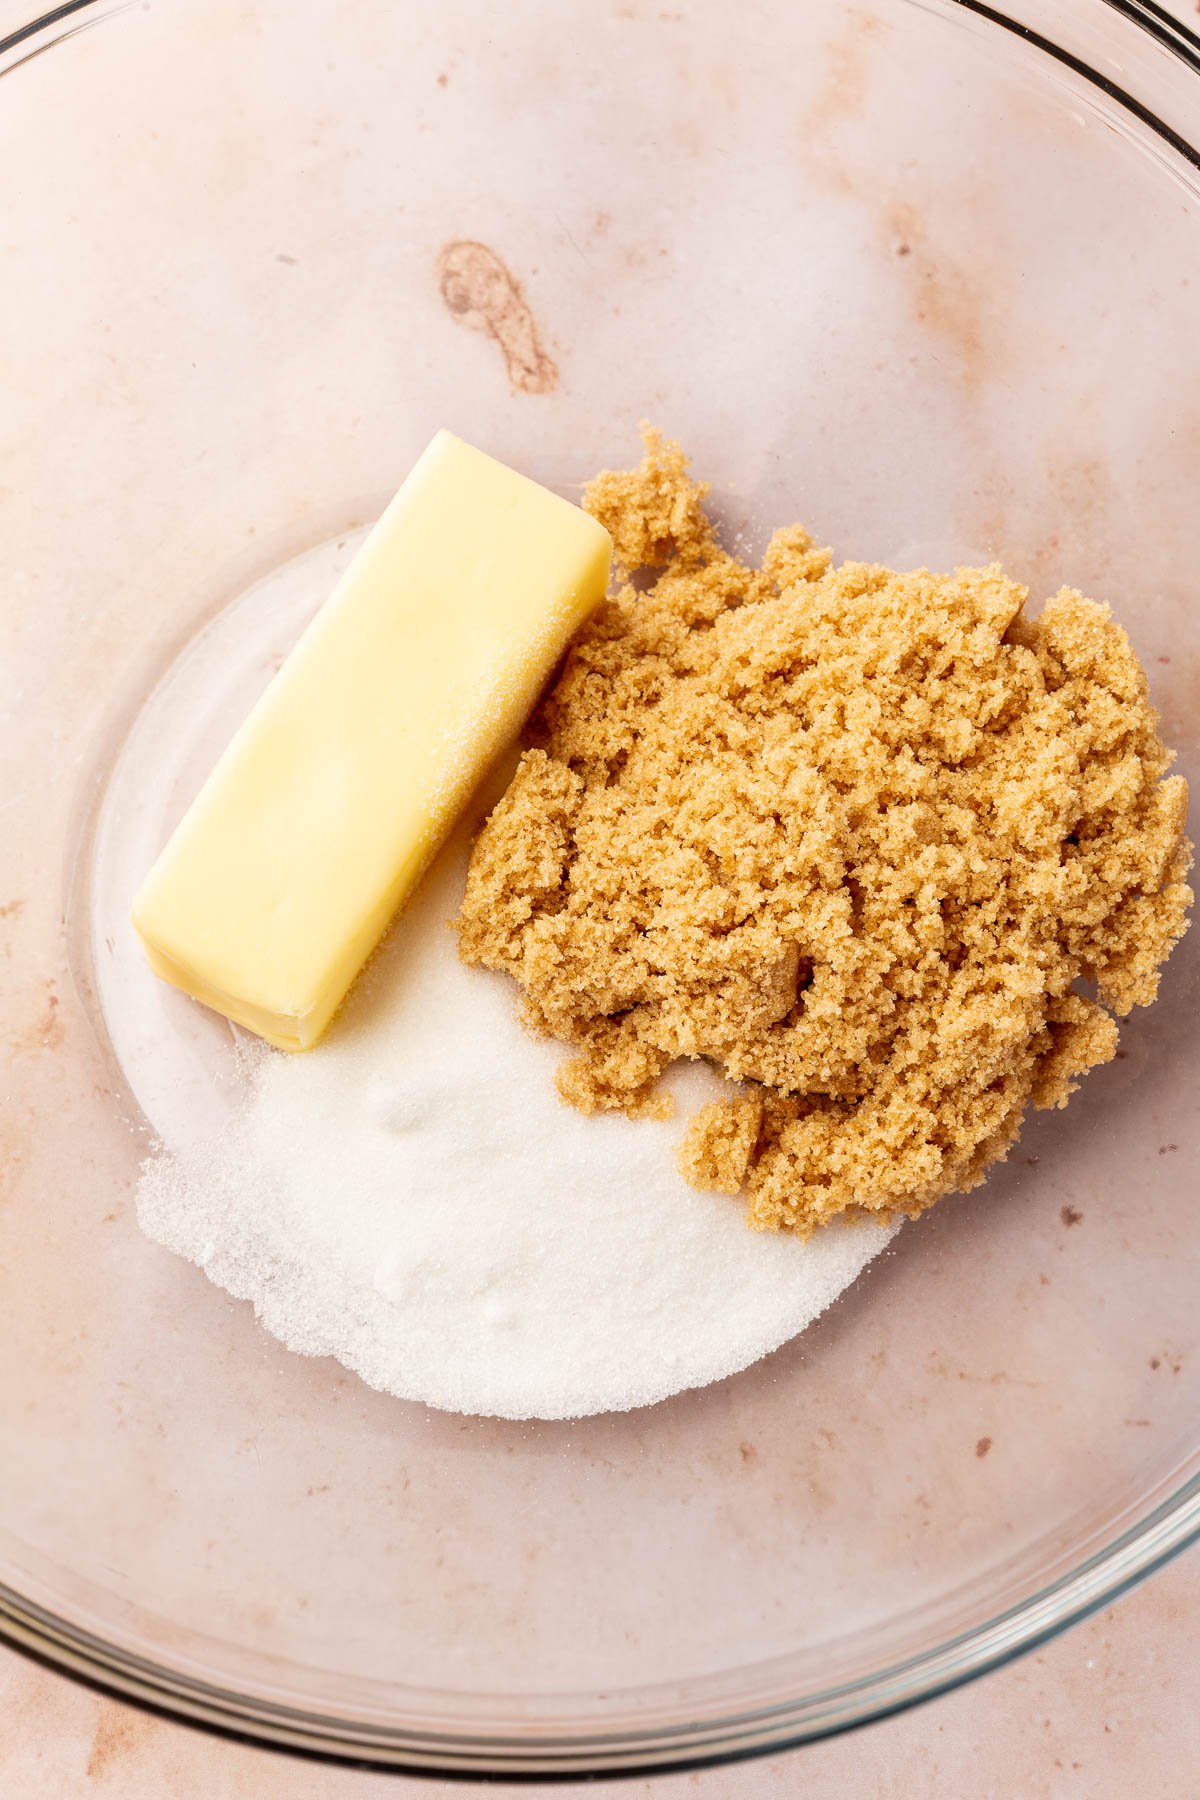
column 925, row 275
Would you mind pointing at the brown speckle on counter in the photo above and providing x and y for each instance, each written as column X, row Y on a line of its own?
column 843, row 93
column 949, row 295
column 119, row 1730
column 483, row 294
column 46, row 1030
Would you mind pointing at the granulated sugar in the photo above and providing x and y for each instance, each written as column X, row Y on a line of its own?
column 413, row 1199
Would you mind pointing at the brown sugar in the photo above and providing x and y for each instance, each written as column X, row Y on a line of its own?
column 857, row 838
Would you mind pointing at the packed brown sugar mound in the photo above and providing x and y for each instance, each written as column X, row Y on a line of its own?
column 854, row 836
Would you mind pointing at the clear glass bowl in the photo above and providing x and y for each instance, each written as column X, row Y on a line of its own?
column 923, row 274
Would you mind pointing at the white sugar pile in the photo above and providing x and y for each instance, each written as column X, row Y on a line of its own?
column 413, row 1199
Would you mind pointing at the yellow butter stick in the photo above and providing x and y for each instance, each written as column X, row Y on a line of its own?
column 343, row 781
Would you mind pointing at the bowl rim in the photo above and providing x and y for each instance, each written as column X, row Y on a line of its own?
column 552, row 1751
column 684, row 1743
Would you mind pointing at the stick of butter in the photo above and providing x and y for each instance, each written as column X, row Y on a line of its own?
column 343, row 781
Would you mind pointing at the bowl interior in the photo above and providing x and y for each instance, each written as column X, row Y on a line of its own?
column 891, row 270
